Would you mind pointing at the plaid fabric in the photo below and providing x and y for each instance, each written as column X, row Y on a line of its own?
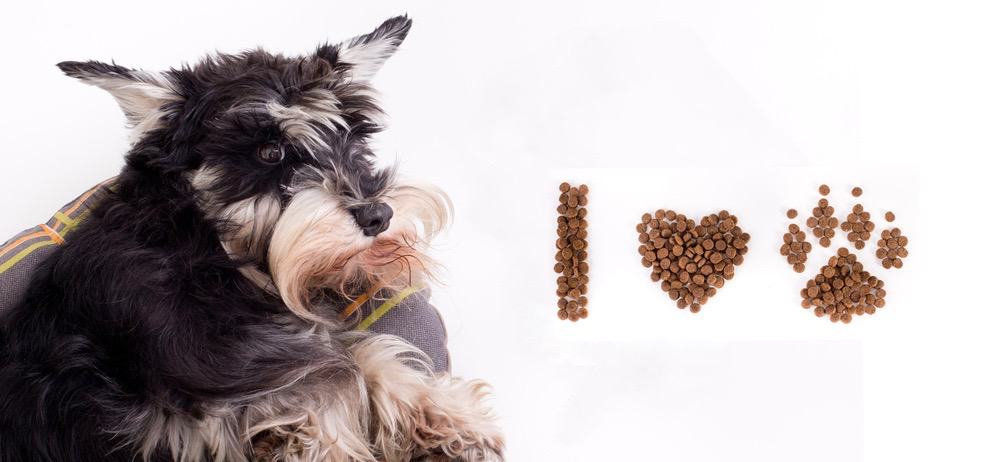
column 20, row 255
column 407, row 314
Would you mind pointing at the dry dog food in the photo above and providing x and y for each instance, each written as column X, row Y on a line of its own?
column 792, row 213
column 690, row 259
column 824, row 189
column 890, row 217
column 796, row 248
column 571, row 252
column 858, row 226
column 892, row 248
column 843, row 289
column 856, row 192
column 822, row 222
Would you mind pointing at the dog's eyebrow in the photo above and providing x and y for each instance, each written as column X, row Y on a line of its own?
column 313, row 108
column 313, row 112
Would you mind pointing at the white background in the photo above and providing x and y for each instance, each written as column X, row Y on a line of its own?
column 694, row 106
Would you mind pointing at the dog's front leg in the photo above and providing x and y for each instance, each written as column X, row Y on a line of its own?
column 416, row 414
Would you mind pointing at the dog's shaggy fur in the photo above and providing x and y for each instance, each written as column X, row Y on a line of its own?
column 192, row 316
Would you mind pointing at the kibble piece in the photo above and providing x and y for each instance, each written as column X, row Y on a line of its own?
column 856, row 192
column 890, row 217
column 791, row 213
column 824, row 189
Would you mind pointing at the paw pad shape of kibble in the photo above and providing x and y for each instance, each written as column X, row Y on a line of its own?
column 691, row 260
column 571, row 252
column 843, row 289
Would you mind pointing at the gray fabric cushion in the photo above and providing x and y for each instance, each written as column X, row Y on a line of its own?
column 413, row 319
column 408, row 315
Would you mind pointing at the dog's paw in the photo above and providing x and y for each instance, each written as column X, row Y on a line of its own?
column 456, row 425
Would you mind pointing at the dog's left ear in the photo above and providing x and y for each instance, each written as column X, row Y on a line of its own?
column 365, row 54
column 140, row 94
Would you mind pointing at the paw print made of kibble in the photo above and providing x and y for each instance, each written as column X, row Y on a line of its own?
column 843, row 289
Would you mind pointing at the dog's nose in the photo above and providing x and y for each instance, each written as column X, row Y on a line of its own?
column 372, row 218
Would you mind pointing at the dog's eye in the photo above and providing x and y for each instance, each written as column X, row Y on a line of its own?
column 271, row 153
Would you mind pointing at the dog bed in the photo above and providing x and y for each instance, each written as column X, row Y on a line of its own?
column 407, row 314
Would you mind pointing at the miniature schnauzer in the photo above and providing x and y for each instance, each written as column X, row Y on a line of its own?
column 192, row 317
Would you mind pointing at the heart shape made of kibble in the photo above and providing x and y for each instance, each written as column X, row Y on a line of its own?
column 691, row 260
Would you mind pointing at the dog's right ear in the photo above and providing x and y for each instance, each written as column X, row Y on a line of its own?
column 140, row 94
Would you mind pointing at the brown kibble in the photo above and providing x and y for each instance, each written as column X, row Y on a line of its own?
column 856, row 192
column 892, row 248
column 693, row 258
column 890, row 217
column 571, row 257
column 791, row 213
column 843, row 289
column 824, row 189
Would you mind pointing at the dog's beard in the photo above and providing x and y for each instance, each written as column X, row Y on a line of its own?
column 316, row 246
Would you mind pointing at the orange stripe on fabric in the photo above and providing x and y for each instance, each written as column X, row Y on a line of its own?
column 86, row 196
column 347, row 312
column 54, row 235
column 21, row 241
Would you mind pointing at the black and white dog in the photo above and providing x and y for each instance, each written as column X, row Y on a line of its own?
column 192, row 315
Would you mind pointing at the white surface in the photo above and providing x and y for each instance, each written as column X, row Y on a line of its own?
column 747, row 105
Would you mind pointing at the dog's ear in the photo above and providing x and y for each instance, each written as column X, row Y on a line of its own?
column 140, row 94
column 365, row 54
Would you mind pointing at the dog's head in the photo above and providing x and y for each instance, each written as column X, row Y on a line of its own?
column 276, row 150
